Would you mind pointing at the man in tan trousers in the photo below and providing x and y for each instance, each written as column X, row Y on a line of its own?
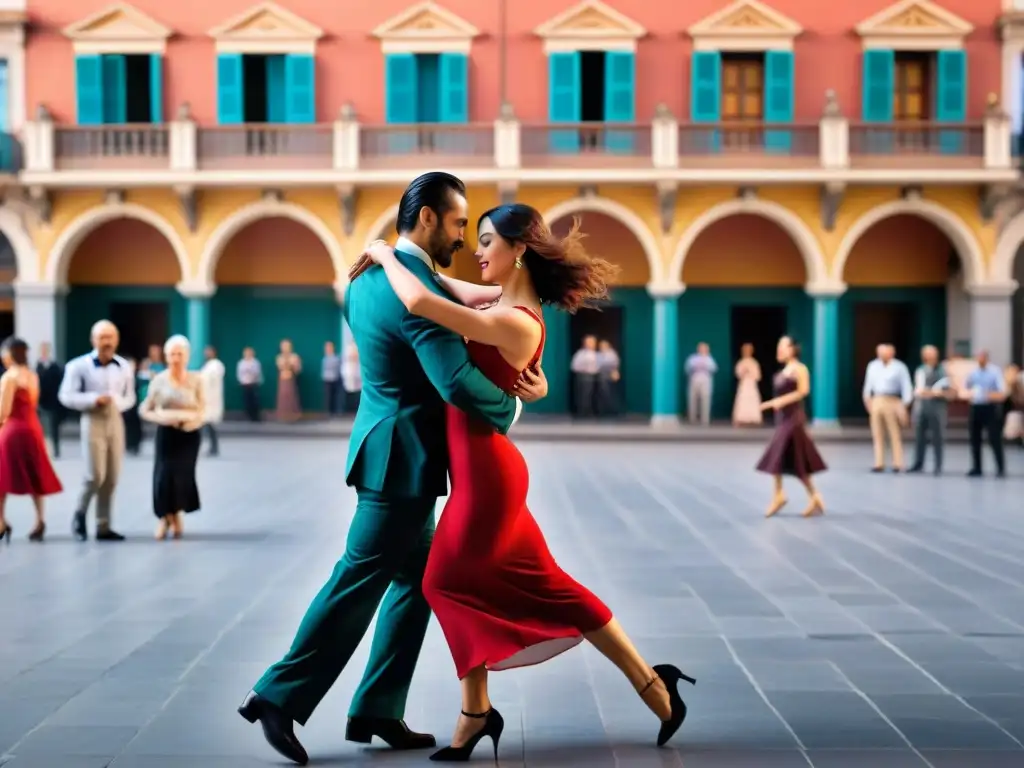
column 888, row 393
column 101, row 386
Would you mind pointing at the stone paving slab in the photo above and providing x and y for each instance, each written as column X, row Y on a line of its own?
column 889, row 633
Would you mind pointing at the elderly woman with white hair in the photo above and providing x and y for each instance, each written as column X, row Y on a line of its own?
column 175, row 404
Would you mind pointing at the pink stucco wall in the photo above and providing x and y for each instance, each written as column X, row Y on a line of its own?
column 350, row 67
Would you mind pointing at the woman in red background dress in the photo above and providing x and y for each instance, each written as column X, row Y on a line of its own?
column 25, row 468
column 500, row 597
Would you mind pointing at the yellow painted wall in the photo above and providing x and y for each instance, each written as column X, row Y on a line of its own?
column 609, row 240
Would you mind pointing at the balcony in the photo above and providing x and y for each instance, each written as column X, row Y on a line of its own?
column 348, row 152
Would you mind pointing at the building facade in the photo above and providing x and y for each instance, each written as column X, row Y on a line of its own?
column 839, row 173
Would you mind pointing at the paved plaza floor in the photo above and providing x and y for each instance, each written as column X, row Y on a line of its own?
column 887, row 634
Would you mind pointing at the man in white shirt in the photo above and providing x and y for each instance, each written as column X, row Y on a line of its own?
column 351, row 378
column 888, row 393
column 213, row 373
column 585, row 367
column 101, row 386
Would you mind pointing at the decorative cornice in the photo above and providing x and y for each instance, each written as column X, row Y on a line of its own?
column 993, row 290
column 665, row 290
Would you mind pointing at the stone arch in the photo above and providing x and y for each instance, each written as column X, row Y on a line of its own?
column 266, row 209
column 379, row 229
column 1010, row 241
column 26, row 257
column 75, row 232
column 793, row 225
column 624, row 216
column 949, row 223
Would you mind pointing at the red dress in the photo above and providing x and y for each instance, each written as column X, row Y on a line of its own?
column 25, row 469
column 496, row 590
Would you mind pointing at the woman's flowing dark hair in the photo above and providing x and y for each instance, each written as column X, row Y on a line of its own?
column 17, row 349
column 563, row 273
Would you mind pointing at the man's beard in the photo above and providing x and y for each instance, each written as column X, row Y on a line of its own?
column 441, row 250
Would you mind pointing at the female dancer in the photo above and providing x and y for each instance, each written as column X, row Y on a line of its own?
column 791, row 450
column 289, row 366
column 25, row 468
column 499, row 596
column 746, row 409
column 175, row 403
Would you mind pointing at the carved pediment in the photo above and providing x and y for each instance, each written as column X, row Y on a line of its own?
column 119, row 22
column 746, row 17
column 914, row 18
column 591, row 19
column 425, row 20
column 266, row 23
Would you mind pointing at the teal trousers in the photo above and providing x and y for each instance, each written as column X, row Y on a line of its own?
column 386, row 552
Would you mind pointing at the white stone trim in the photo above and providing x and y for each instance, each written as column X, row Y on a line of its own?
column 453, row 34
column 294, row 34
column 731, row 43
column 959, row 234
column 624, row 216
column 878, row 31
column 1013, row 83
column 12, row 48
column 712, row 33
column 139, row 34
column 378, row 230
column 620, row 33
column 671, row 290
column 265, row 209
column 1010, row 241
column 793, row 225
column 26, row 257
column 74, row 233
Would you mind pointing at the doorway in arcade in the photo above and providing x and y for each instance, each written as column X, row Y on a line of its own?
column 626, row 320
column 124, row 271
column 8, row 273
column 897, row 275
column 262, row 299
column 744, row 280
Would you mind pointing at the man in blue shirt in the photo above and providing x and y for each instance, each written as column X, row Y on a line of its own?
column 985, row 391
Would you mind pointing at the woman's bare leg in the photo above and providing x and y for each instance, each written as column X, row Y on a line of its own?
column 613, row 643
column 779, row 499
column 3, row 504
column 37, row 502
column 475, row 701
column 815, row 506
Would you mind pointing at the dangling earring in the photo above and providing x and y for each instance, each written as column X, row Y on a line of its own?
column 519, row 262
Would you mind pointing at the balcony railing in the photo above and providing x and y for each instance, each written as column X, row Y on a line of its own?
column 662, row 146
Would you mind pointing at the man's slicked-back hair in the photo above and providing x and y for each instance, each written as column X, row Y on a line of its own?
column 431, row 190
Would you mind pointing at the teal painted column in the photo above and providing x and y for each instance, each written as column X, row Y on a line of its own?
column 198, row 313
column 825, row 373
column 665, row 378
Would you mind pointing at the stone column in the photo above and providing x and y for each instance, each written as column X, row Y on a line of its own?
column 39, row 316
column 665, row 379
column 825, row 365
column 197, row 321
column 992, row 320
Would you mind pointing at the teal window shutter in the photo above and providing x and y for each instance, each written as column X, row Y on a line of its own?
column 564, row 99
column 230, row 93
column 156, row 88
column 454, row 77
column 778, row 99
column 619, row 98
column 276, row 89
column 878, row 86
column 115, row 89
column 400, row 95
column 951, row 98
column 706, row 97
column 89, row 89
column 300, row 87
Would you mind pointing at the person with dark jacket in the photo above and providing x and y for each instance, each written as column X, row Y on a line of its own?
column 50, row 374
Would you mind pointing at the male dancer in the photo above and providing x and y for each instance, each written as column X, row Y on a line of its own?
column 102, row 386
column 398, row 464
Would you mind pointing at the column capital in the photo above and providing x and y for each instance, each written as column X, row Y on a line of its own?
column 665, row 290
column 340, row 286
column 195, row 289
column 26, row 289
column 1000, row 290
column 825, row 289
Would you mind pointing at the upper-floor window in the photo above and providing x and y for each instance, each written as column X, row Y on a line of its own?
column 912, row 96
column 742, row 86
column 119, row 72
column 266, row 67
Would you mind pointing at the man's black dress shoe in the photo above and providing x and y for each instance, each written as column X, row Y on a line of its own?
column 394, row 733
column 108, row 535
column 278, row 728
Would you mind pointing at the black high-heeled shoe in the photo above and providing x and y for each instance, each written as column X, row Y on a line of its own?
column 670, row 676
column 38, row 532
column 6, row 534
column 493, row 727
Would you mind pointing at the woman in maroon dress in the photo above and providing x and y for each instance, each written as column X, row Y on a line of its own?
column 500, row 597
column 25, row 469
column 791, row 450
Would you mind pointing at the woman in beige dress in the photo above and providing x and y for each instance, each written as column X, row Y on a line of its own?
column 746, row 410
column 175, row 403
column 289, row 366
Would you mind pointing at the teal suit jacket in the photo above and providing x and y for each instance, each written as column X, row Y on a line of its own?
column 411, row 367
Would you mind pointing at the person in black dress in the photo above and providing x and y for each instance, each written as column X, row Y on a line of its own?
column 175, row 403
column 791, row 450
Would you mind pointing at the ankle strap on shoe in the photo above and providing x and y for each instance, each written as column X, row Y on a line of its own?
column 478, row 716
column 647, row 687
